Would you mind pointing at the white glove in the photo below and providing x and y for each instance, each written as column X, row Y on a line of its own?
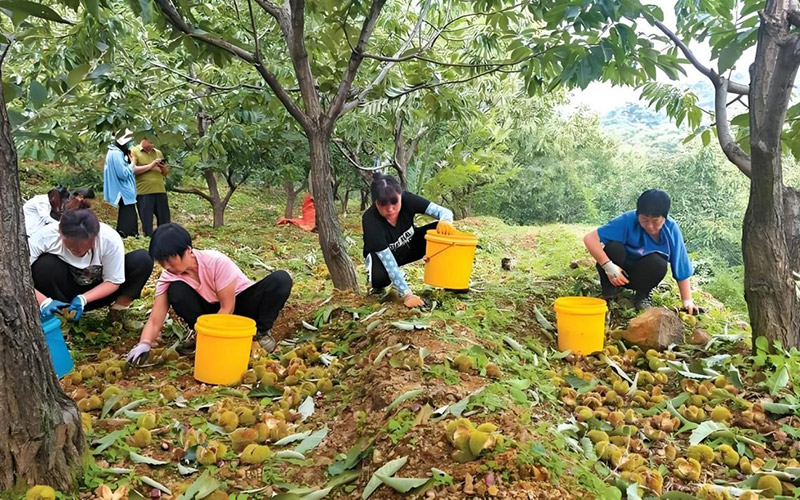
column 612, row 270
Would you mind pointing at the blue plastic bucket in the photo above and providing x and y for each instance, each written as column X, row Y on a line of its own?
column 59, row 354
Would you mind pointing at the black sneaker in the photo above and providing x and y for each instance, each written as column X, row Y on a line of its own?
column 266, row 341
column 189, row 343
column 642, row 301
column 377, row 291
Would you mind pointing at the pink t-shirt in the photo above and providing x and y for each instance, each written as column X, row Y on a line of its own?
column 216, row 271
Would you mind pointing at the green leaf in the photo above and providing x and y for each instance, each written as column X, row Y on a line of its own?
column 155, row 484
column 110, row 402
column 780, row 408
column 107, row 440
column 77, row 75
column 141, row 459
column 292, row 438
column 290, row 454
column 778, row 380
column 405, row 397
column 706, row 429
column 130, row 406
column 92, row 7
column 388, row 469
column 317, row 495
column 34, row 9
column 402, row 484
column 312, row 441
column 542, row 320
column 184, row 470
column 202, row 487
column 265, row 391
column 728, row 57
column 37, row 94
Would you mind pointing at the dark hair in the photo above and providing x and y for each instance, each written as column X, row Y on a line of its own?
column 653, row 203
column 126, row 149
column 168, row 241
column 85, row 193
column 385, row 189
column 80, row 223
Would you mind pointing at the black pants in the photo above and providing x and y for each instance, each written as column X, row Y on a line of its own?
column 52, row 277
column 376, row 272
column 262, row 301
column 149, row 205
column 127, row 223
column 643, row 274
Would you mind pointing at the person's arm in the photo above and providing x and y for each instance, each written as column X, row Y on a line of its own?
column 102, row 290
column 227, row 298
column 595, row 248
column 439, row 212
column 398, row 278
column 685, row 288
column 141, row 169
column 152, row 329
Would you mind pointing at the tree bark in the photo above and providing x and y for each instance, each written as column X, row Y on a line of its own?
column 331, row 239
column 41, row 439
column 217, row 205
column 364, row 199
column 769, row 290
column 291, row 196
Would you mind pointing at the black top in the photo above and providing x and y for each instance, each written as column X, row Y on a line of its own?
column 380, row 235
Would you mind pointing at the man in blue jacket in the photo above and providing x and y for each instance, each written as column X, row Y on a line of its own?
column 634, row 249
column 119, row 184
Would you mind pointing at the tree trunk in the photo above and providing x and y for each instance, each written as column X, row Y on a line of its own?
column 41, row 439
column 217, row 206
column 291, row 196
column 364, row 199
column 345, row 200
column 331, row 239
column 769, row 290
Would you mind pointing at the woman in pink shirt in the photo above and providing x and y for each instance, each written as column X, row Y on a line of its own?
column 196, row 282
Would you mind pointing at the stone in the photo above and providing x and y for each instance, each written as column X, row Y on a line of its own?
column 507, row 263
column 575, row 264
column 700, row 337
column 656, row 328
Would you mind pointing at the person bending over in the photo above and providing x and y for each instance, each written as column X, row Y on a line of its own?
column 197, row 282
column 633, row 250
column 80, row 264
column 390, row 238
column 45, row 209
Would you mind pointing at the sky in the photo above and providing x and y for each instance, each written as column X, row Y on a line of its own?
column 603, row 97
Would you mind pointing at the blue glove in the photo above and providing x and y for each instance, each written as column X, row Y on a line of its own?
column 77, row 305
column 48, row 307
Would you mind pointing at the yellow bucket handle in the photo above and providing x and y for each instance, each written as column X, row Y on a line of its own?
column 426, row 258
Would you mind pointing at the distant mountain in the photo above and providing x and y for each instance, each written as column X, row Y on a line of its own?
column 639, row 126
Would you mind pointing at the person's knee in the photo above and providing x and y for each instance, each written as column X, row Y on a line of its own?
column 140, row 261
column 284, row 283
column 44, row 267
column 616, row 252
column 655, row 263
column 178, row 292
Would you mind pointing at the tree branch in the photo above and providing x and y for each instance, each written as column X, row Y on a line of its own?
column 793, row 16
column 272, row 9
column 192, row 79
column 732, row 87
column 338, row 142
column 255, row 31
column 5, row 52
column 732, row 151
column 175, row 19
column 387, row 67
column 193, row 190
column 356, row 57
column 178, row 22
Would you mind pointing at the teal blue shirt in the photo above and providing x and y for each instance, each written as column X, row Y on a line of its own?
column 627, row 230
column 119, row 183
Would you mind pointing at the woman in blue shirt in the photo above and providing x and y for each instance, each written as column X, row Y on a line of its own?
column 633, row 251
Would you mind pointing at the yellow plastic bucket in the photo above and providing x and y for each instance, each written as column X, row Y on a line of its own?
column 581, row 324
column 449, row 259
column 223, row 348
